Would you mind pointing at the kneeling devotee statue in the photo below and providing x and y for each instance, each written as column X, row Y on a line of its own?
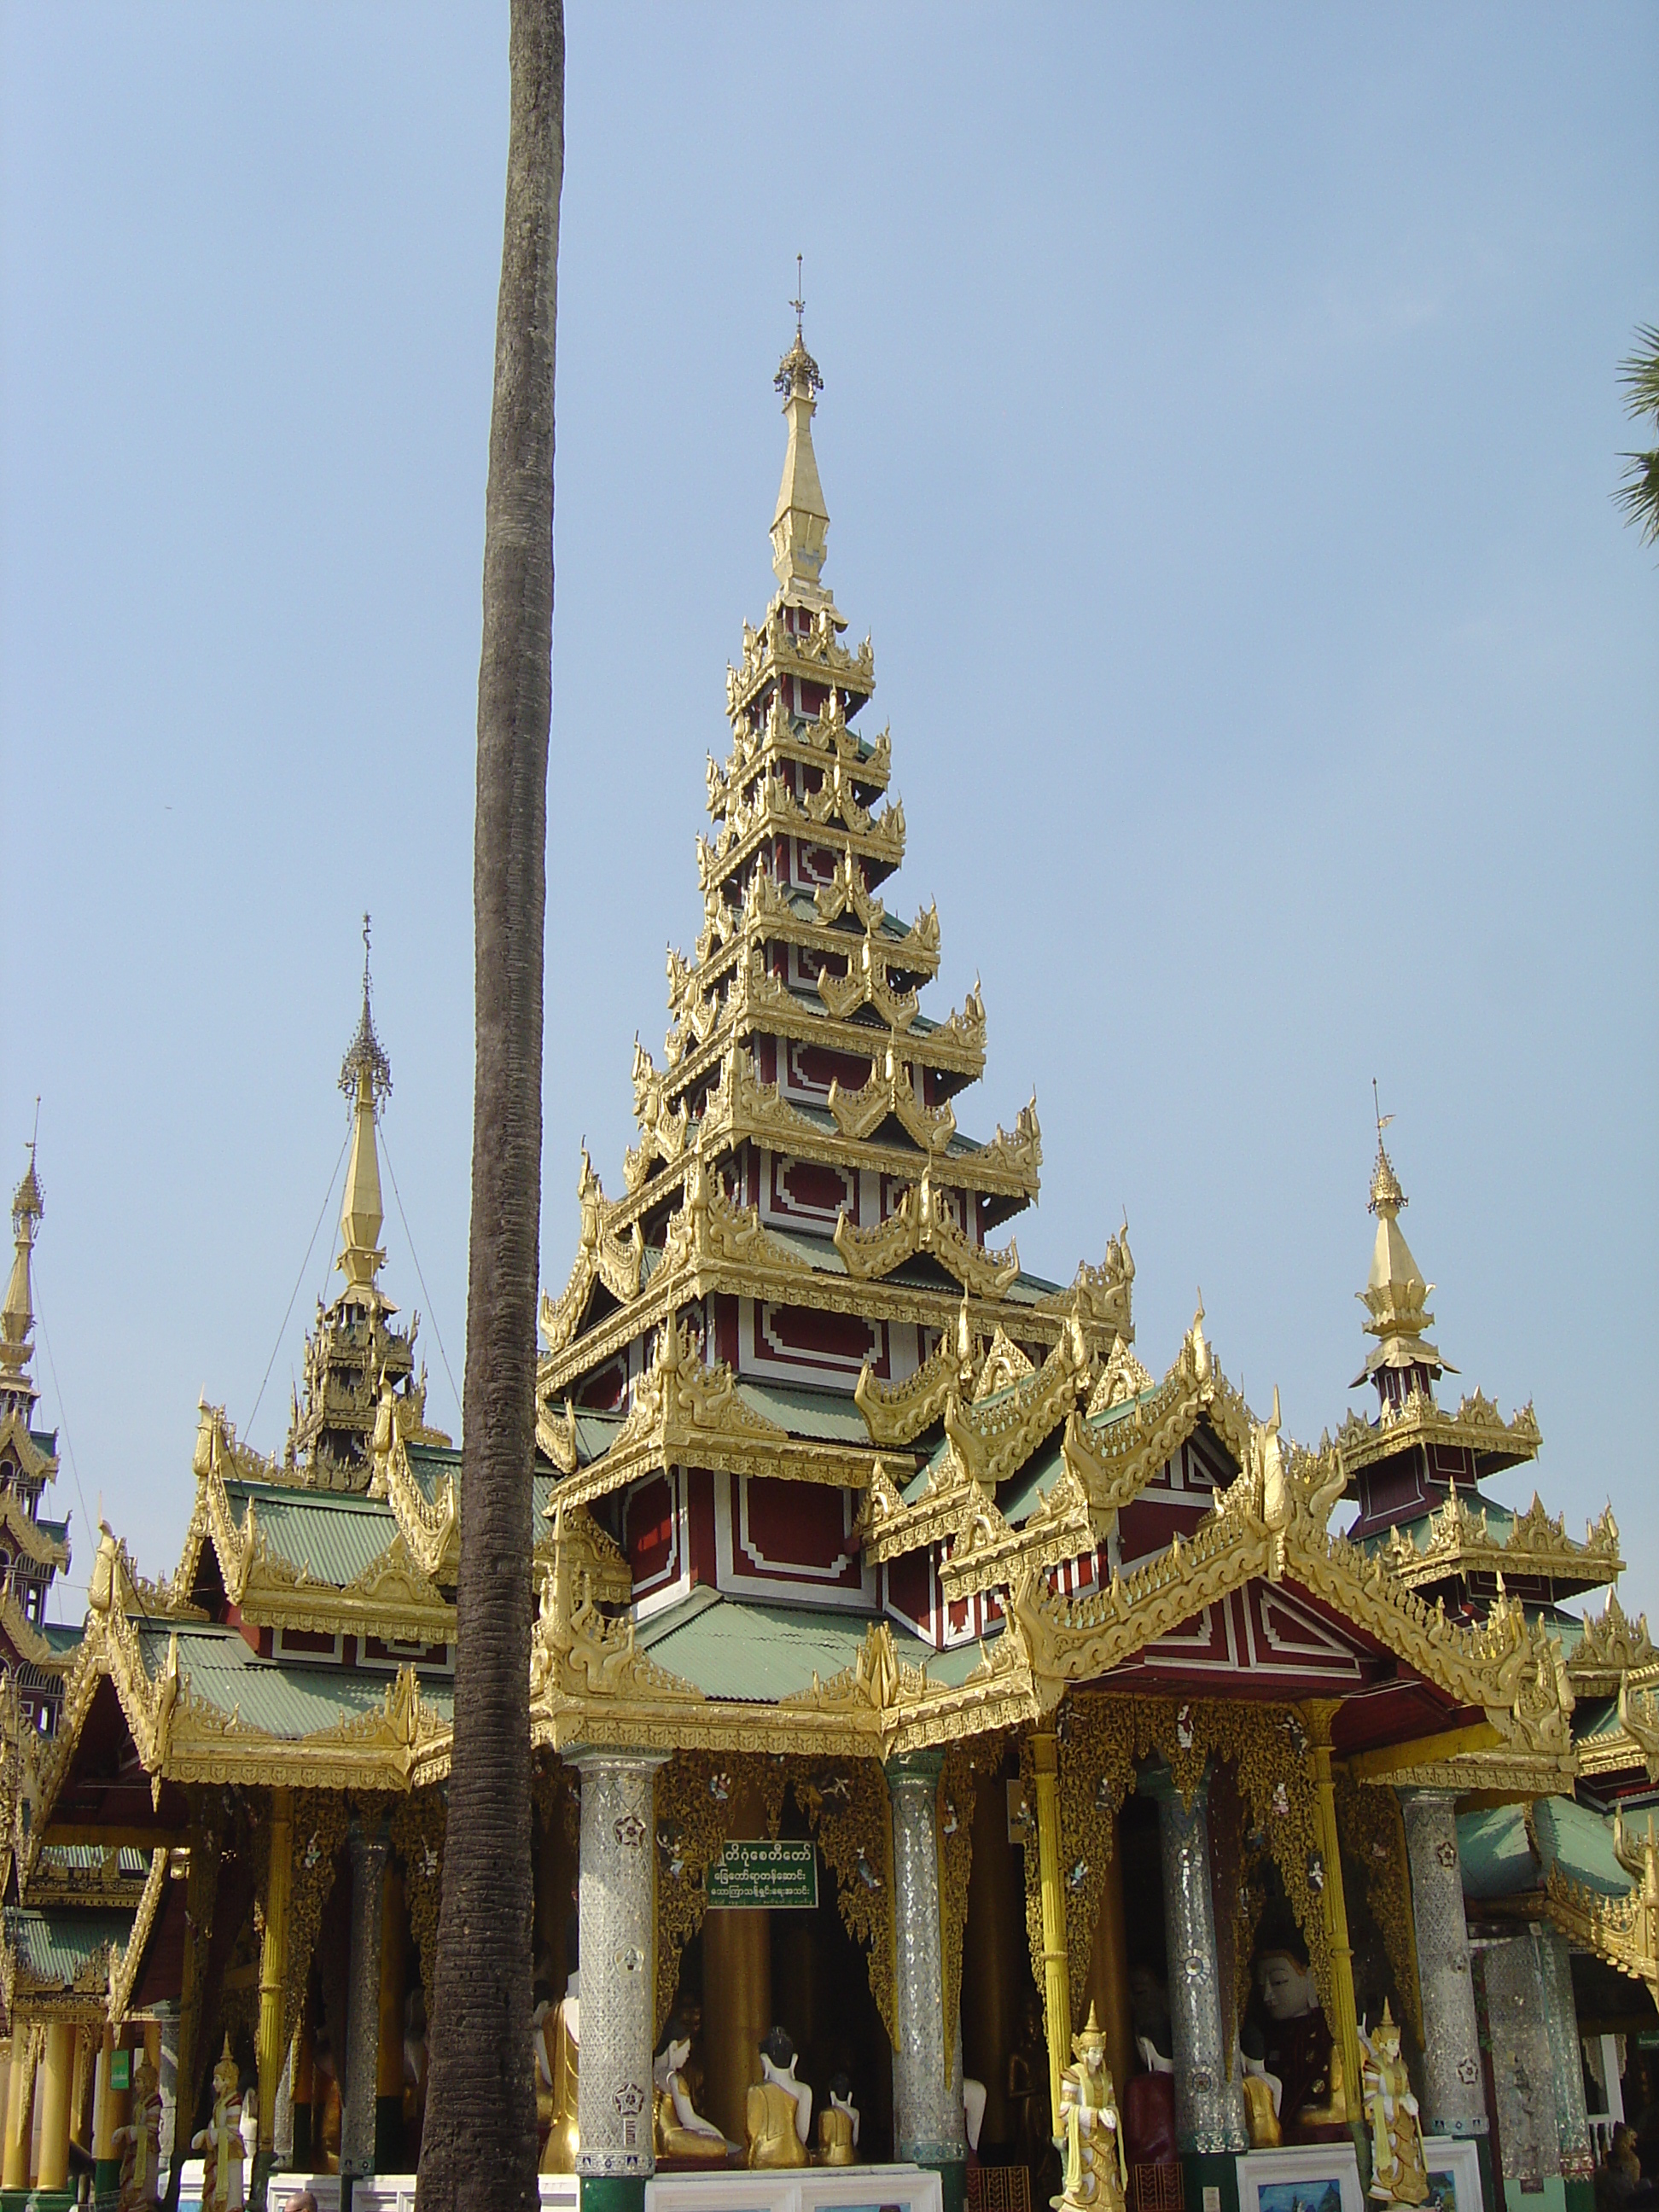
column 778, row 2115
column 1092, row 2136
column 838, row 2123
column 1299, row 2052
column 1399, row 2174
column 681, row 2132
column 139, row 2143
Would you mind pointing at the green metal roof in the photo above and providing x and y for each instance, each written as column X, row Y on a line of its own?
column 278, row 1698
column 61, row 1635
column 53, row 1945
column 88, row 1858
column 329, row 1536
column 1499, row 1860
column 830, row 1416
column 762, row 1652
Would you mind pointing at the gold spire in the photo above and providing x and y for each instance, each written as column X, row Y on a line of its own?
column 366, row 1078
column 801, row 525
column 1395, row 1296
column 17, row 1316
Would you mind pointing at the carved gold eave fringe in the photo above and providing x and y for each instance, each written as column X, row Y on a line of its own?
column 773, row 650
column 430, row 1529
column 29, row 1537
column 1610, row 1647
column 1459, row 1541
column 38, row 1466
column 1477, row 1426
column 1622, row 1931
column 1271, row 1523
column 685, row 1413
column 125, row 1973
column 920, row 1223
column 25, row 1638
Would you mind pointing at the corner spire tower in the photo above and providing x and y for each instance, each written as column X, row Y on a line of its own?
column 17, row 1390
column 366, row 1079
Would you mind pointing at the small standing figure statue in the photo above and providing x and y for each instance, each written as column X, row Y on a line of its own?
column 1090, row 2137
column 139, row 2142
column 220, row 2142
column 1399, row 2175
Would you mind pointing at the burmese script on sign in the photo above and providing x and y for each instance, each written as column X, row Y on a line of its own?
column 779, row 1874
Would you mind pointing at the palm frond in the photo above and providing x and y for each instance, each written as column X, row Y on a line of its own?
column 1639, row 373
column 1639, row 495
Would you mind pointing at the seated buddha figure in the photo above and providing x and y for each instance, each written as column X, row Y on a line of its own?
column 681, row 2131
column 778, row 2119
column 1297, row 2048
column 838, row 2125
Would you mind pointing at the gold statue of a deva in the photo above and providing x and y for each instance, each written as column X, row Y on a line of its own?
column 1096, row 2172
column 1399, row 2172
column 139, row 2141
column 681, row 2130
column 778, row 2118
column 220, row 2142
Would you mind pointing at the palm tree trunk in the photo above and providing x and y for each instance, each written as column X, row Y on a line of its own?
column 479, row 2145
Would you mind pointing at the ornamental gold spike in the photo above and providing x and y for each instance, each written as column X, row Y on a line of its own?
column 17, row 1316
column 800, row 525
column 366, row 1079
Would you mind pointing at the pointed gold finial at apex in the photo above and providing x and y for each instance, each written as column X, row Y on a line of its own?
column 800, row 522
column 366, row 1078
column 17, row 1315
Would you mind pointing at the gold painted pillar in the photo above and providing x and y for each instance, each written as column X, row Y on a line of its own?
column 20, row 2109
column 1056, row 1965
column 1109, row 1971
column 273, row 1962
column 1347, row 2025
column 56, row 2075
column 389, row 2051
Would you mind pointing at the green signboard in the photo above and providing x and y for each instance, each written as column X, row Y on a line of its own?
column 780, row 1875
column 120, row 2069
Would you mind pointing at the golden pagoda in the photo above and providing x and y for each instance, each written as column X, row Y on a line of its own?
column 931, row 1705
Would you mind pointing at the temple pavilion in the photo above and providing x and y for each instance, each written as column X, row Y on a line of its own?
column 1037, row 1679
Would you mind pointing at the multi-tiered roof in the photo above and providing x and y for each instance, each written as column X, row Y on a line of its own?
column 32, row 1550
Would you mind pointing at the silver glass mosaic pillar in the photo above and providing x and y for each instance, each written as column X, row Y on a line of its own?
column 1453, row 2096
column 617, row 1963
column 369, row 1850
column 1517, row 2021
column 1561, row 2014
column 1209, row 2108
column 927, row 2116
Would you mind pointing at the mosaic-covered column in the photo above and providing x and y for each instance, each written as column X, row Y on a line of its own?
column 618, row 1964
column 1571, row 2120
column 369, row 1850
column 1517, row 2021
column 927, row 2116
column 1453, row 2097
column 1209, row 2107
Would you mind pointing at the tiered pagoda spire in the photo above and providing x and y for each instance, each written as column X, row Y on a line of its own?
column 353, row 1352
column 1396, row 1298
column 17, row 1391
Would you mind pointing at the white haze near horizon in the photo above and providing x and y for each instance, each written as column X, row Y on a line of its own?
column 1219, row 421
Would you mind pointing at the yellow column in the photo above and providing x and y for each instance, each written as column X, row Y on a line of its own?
column 1336, row 1909
column 1056, row 1964
column 55, row 2081
column 273, row 1961
column 20, row 2109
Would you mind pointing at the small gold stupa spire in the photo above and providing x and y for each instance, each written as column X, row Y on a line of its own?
column 800, row 526
column 1395, row 1296
column 366, row 1079
column 17, row 1315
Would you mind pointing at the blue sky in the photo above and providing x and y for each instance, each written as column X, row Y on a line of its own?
column 1219, row 421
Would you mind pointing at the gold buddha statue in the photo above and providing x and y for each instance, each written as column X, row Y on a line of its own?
column 778, row 2118
column 681, row 2132
column 838, row 2125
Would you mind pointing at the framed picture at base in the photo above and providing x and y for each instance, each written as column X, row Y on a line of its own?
column 1453, row 2165
column 1304, row 2178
